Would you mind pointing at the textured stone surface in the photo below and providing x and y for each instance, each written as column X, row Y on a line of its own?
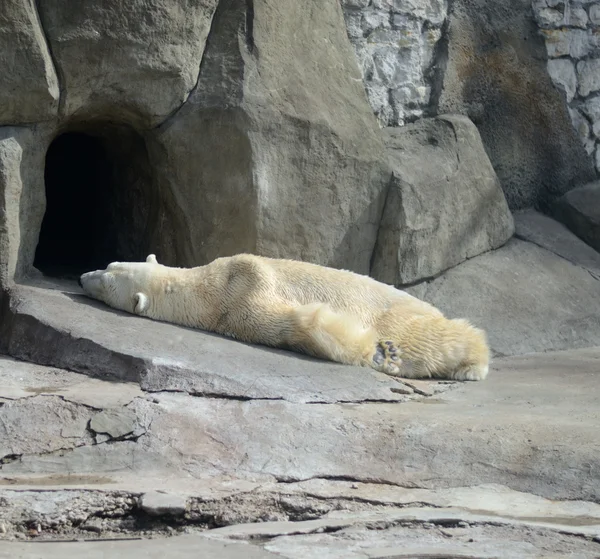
column 115, row 423
column 278, row 154
column 74, row 332
column 579, row 209
column 588, row 72
column 562, row 72
column 184, row 547
column 357, row 541
column 157, row 503
column 472, row 434
column 592, row 109
column 445, row 203
column 547, row 233
column 41, row 425
column 22, row 152
column 571, row 30
column 526, row 297
column 29, row 87
column 395, row 43
column 136, row 61
column 432, row 540
column 22, row 380
column 496, row 74
column 279, row 138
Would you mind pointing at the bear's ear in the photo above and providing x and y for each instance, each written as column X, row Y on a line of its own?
column 152, row 259
column 141, row 303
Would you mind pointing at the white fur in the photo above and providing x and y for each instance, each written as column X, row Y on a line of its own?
column 328, row 313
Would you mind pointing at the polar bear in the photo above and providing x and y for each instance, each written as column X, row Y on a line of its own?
column 324, row 312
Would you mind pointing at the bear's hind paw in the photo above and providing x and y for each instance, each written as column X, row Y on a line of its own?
column 471, row 372
column 387, row 358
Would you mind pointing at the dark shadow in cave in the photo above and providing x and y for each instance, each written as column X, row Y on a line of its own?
column 101, row 205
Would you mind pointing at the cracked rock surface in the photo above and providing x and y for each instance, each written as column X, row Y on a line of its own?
column 459, row 469
column 140, row 429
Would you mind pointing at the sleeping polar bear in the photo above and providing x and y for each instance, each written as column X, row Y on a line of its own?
column 324, row 312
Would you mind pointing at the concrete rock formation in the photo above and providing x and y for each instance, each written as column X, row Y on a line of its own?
column 255, row 143
column 397, row 45
column 496, row 74
column 579, row 210
column 537, row 293
column 445, row 203
column 571, row 30
column 389, row 137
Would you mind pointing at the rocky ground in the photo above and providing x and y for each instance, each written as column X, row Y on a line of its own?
column 139, row 437
column 501, row 468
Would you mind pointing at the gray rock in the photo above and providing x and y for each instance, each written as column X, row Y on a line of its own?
column 412, row 540
column 594, row 14
column 94, row 462
column 157, row 503
column 22, row 152
column 137, row 62
column 527, row 298
column 549, row 17
column 42, row 424
column 288, row 156
column 445, row 203
column 588, row 72
column 29, row 86
column 181, row 547
column 116, row 422
column 592, row 109
column 582, row 127
column 475, row 433
column 554, row 236
column 395, row 43
column 579, row 210
column 576, row 16
column 23, row 380
column 575, row 43
column 496, row 74
column 562, row 72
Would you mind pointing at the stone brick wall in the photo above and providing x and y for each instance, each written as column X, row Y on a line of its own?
column 395, row 42
column 572, row 33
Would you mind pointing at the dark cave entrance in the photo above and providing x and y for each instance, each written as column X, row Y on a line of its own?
column 100, row 201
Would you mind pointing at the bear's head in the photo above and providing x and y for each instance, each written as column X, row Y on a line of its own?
column 127, row 286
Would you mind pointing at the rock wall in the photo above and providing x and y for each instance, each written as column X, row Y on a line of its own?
column 260, row 139
column 571, row 29
column 224, row 126
column 485, row 59
column 395, row 42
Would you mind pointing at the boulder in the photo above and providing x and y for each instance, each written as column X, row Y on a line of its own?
column 22, row 151
column 264, row 143
column 445, row 203
column 277, row 150
column 579, row 210
column 527, row 297
column 29, row 86
column 136, row 61
column 548, row 233
column 496, row 74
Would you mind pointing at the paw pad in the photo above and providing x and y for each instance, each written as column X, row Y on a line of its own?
column 387, row 358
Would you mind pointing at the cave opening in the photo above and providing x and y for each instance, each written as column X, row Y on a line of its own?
column 100, row 201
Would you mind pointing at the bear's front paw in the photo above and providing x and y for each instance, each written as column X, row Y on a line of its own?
column 387, row 358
